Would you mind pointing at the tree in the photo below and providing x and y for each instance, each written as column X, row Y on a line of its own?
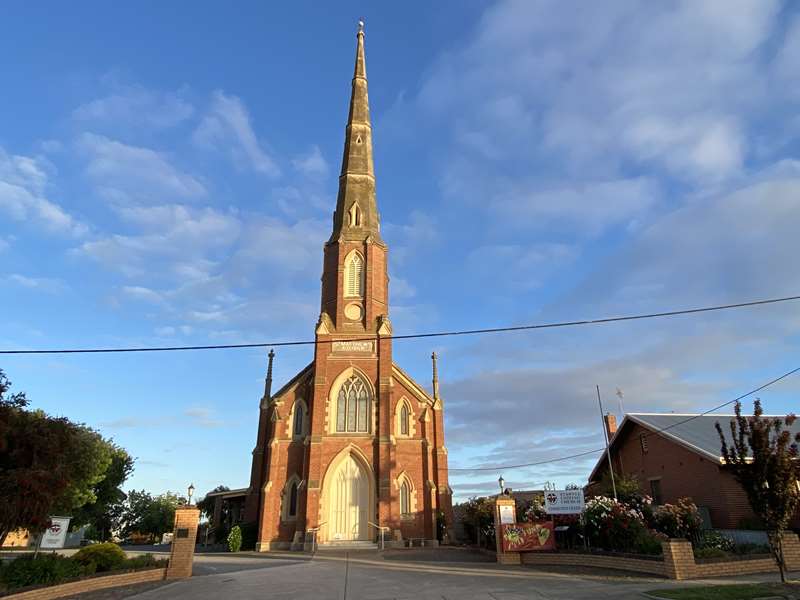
column 150, row 515
column 47, row 464
column 104, row 515
column 762, row 457
column 206, row 506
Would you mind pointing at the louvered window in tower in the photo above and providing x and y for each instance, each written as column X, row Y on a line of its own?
column 354, row 276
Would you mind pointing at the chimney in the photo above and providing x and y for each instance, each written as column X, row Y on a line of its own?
column 611, row 425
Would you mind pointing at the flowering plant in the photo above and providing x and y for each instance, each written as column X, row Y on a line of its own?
column 611, row 524
column 679, row 520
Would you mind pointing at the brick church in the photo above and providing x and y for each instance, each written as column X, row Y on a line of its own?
column 351, row 443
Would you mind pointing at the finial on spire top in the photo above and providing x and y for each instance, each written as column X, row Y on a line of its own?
column 361, row 25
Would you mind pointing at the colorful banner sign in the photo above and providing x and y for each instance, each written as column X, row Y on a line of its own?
column 55, row 535
column 521, row 537
column 563, row 502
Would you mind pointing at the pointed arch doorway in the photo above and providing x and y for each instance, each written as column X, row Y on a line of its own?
column 348, row 500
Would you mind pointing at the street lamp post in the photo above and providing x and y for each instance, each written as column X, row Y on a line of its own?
column 502, row 483
column 191, row 492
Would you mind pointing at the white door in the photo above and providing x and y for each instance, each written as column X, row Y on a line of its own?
column 349, row 502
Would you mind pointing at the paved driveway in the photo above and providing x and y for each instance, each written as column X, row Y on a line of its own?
column 446, row 575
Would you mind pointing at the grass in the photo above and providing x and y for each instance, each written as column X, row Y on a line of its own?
column 729, row 592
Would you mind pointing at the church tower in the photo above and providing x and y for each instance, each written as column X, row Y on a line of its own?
column 351, row 444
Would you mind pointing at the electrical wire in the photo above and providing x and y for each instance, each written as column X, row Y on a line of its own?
column 646, row 434
column 670, row 313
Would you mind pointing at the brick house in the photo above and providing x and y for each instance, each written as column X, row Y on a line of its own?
column 351, row 443
column 681, row 459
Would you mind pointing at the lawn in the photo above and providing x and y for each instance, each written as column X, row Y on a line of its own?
column 730, row 592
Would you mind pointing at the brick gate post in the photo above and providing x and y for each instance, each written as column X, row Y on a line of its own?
column 183, row 542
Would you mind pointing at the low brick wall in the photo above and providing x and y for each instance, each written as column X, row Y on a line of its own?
column 90, row 585
column 635, row 565
column 678, row 562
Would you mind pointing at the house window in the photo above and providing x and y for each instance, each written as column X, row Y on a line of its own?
column 354, row 276
column 655, row 491
column 292, row 511
column 352, row 403
column 405, row 499
column 404, row 419
column 643, row 442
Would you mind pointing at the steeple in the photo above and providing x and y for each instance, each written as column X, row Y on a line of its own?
column 356, row 216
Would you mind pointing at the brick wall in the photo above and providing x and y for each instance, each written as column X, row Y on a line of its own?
column 90, row 585
column 633, row 565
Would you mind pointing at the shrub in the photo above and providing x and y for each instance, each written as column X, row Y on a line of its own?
column 235, row 539
column 100, row 557
column 611, row 524
column 680, row 520
column 144, row 561
column 713, row 539
column 249, row 535
column 709, row 553
column 649, row 542
column 45, row 569
column 750, row 548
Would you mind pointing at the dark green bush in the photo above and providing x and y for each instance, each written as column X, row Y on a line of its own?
column 750, row 548
column 100, row 558
column 144, row 561
column 709, row 553
column 45, row 569
column 249, row 535
column 648, row 542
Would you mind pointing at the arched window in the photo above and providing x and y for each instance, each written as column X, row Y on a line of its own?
column 352, row 406
column 292, row 510
column 404, row 419
column 354, row 276
column 299, row 409
column 405, row 498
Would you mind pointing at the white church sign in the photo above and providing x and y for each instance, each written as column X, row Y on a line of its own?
column 55, row 535
column 563, row 502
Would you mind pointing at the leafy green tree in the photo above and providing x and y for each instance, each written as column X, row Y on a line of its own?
column 762, row 456
column 47, row 464
column 104, row 515
column 150, row 515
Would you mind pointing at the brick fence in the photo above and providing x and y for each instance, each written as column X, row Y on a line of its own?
column 635, row 565
column 90, row 585
column 678, row 561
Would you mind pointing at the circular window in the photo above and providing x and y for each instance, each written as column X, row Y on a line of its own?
column 353, row 311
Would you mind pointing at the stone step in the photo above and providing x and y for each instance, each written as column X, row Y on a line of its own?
column 348, row 545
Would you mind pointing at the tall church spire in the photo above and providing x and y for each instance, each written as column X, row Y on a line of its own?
column 356, row 216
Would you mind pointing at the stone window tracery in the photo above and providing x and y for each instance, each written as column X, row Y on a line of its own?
column 352, row 406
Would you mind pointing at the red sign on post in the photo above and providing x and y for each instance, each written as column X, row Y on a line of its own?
column 521, row 537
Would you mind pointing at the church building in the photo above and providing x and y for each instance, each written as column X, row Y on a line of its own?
column 351, row 444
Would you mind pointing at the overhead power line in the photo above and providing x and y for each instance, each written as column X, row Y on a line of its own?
column 646, row 434
column 670, row 313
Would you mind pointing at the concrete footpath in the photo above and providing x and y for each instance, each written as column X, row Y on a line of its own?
column 418, row 575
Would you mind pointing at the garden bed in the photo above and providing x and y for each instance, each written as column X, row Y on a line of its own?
column 86, row 583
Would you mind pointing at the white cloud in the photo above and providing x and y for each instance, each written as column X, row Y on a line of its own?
column 23, row 181
column 144, row 294
column 312, row 164
column 44, row 284
column 124, row 171
column 176, row 240
column 135, row 106
column 227, row 127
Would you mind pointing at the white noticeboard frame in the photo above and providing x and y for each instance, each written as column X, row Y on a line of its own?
column 55, row 535
column 506, row 514
column 564, row 502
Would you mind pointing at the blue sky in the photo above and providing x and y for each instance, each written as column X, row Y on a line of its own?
column 167, row 176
